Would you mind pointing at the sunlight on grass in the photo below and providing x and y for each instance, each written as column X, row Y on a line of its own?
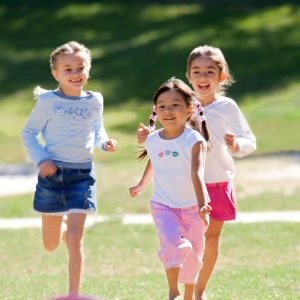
column 121, row 263
column 156, row 13
column 268, row 19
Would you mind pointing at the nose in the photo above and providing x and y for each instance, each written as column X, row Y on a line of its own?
column 168, row 109
column 203, row 75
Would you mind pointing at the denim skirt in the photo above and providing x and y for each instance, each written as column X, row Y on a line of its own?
column 66, row 191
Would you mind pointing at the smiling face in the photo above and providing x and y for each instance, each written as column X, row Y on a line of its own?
column 172, row 112
column 205, row 76
column 72, row 72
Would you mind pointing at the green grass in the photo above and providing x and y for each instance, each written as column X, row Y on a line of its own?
column 138, row 46
column 121, row 263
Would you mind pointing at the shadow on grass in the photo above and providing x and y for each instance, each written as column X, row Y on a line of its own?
column 137, row 47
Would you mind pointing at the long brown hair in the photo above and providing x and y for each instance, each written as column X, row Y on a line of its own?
column 217, row 56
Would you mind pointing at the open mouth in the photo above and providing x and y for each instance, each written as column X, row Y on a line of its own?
column 203, row 87
column 75, row 81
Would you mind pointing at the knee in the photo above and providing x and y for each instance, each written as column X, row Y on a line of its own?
column 174, row 253
column 212, row 239
column 50, row 245
column 73, row 240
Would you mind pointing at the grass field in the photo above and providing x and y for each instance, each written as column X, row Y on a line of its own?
column 136, row 47
column 257, row 261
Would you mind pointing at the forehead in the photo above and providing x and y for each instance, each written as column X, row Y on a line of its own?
column 78, row 58
column 170, row 96
column 204, row 62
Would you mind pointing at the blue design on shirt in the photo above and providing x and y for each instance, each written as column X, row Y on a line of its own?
column 83, row 113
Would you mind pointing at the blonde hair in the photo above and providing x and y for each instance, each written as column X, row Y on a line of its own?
column 217, row 56
column 70, row 48
column 67, row 48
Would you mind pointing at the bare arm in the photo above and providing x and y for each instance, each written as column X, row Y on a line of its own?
column 198, row 180
column 136, row 189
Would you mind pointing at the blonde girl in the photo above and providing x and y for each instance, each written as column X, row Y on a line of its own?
column 230, row 135
column 179, row 203
column 71, row 123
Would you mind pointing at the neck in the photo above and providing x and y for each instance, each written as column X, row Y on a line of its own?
column 75, row 93
column 168, row 133
column 206, row 100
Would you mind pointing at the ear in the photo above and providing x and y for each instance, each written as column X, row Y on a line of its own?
column 190, row 111
column 54, row 74
column 222, row 76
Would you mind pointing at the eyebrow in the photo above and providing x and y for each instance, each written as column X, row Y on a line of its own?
column 174, row 100
column 209, row 67
column 80, row 65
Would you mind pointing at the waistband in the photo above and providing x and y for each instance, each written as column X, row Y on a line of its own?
column 218, row 184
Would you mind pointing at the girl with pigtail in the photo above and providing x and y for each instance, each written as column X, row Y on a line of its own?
column 179, row 204
column 230, row 135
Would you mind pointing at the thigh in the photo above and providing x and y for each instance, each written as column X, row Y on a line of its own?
column 51, row 227
column 167, row 222
column 194, row 227
column 222, row 198
column 80, row 189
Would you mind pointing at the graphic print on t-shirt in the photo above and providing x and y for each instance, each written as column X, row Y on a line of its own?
column 168, row 153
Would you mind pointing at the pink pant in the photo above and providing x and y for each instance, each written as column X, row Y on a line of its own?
column 181, row 235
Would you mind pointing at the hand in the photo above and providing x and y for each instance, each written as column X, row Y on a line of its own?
column 135, row 190
column 142, row 133
column 47, row 168
column 110, row 145
column 204, row 213
column 230, row 141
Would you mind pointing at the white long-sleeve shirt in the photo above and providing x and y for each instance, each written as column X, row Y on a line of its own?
column 223, row 115
column 71, row 127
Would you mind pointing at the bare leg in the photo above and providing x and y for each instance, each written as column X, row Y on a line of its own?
column 51, row 231
column 189, row 291
column 172, row 276
column 74, row 235
column 210, row 257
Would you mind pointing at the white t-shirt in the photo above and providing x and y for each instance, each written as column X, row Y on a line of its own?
column 171, row 163
column 223, row 115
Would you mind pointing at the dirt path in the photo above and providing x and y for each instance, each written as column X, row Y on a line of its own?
column 255, row 175
column 278, row 172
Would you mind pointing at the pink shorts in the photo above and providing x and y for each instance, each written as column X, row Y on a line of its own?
column 181, row 235
column 222, row 200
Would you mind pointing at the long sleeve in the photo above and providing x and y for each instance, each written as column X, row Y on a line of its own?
column 30, row 134
column 242, row 131
column 100, row 133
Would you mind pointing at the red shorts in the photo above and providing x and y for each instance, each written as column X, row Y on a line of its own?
column 222, row 200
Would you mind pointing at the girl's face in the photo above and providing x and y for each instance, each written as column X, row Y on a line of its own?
column 204, row 76
column 72, row 72
column 172, row 111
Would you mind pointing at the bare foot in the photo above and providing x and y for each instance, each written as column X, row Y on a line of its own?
column 175, row 297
